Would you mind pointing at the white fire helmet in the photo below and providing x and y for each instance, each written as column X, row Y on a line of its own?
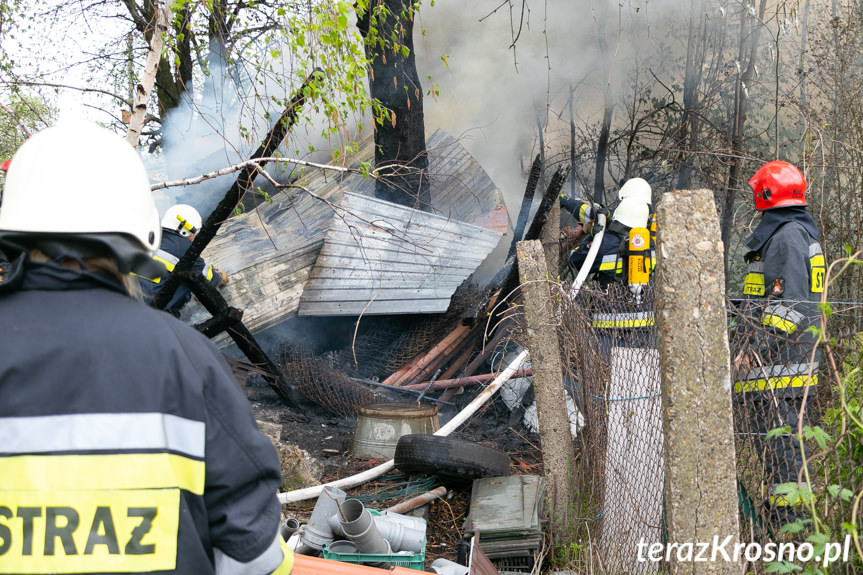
column 79, row 180
column 183, row 219
column 632, row 213
column 637, row 188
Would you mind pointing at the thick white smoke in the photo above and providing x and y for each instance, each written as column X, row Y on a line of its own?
column 494, row 95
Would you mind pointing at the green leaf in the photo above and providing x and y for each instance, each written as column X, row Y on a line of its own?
column 821, row 437
column 778, row 432
column 794, row 526
column 782, row 567
column 818, row 538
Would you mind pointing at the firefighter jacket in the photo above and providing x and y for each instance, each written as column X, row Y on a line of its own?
column 607, row 266
column 170, row 251
column 127, row 445
column 617, row 309
column 784, row 282
column 581, row 211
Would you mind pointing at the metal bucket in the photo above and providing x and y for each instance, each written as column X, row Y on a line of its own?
column 379, row 427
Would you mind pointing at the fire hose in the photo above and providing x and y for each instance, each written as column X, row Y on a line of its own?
column 591, row 256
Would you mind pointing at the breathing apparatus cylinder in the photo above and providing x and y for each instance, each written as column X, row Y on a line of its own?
column 638, row 264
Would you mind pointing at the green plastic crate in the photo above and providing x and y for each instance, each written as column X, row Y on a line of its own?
column 415, row 561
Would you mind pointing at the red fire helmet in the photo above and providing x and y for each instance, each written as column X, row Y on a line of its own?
column 778, row 184
column 5, row 165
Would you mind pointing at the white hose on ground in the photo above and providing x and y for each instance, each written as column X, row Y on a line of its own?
column 375, row 472
column 588, row 262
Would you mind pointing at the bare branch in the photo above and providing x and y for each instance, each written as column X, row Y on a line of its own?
column 66, row 86
column 256, row 162
column 15, row 119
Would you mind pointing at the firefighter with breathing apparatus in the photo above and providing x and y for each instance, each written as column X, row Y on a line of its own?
column 783, row 285
column 127, row 444
column 180, row 224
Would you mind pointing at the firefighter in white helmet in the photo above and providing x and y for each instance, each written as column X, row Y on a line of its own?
column 127, row 444
column 180, row 224
column 608, row 266
column 636, row 188
column 585, row 213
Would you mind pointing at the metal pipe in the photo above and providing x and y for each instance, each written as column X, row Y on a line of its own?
column 375, row 472
column 289, row 527
column 465, row 380
column 419, row 500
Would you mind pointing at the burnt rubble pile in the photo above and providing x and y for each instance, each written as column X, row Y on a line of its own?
column 383, row 346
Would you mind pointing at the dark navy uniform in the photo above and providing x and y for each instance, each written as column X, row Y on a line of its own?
column 170, row 251
column 784, row 282
column 607, row 266
column 581, row 211
column 125, row 443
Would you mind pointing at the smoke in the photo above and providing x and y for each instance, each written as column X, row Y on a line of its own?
column 224, row 123
column 494, row 76
column 495, row 92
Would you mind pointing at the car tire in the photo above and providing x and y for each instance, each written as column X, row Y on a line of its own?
column 449, row 458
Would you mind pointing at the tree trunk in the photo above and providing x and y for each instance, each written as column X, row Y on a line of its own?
column 748, row 45
column 400, row 150
column 694, row 61
column 185, row 67
column 571, row 141
column 608, row 110
column 143, row 89
column 168, row 90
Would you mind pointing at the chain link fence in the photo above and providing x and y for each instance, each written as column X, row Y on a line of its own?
column 797, row 482
column 799, row 478
column 609, row 341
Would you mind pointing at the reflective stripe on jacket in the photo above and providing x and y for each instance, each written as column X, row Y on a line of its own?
column 125, row 443
column 784, row 282
column 581, row 211
column 173, row 247
column 623, row 319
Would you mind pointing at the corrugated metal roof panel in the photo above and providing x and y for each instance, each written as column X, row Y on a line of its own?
column 379, row 257
column 269, row 251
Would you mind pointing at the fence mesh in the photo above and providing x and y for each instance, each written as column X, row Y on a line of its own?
column 786, row 492
column 797, row 476
column 610, row 345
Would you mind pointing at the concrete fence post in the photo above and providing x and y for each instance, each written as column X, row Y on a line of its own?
column 543, row 344
column 700, row 470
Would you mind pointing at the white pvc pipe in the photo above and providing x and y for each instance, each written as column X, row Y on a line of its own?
column 375, row 472
column 588, row 262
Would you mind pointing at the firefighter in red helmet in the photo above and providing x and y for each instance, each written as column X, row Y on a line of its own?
column 783, row 285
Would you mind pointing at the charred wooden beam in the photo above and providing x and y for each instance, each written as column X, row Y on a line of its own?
column 548, row 200
column 533, row 178
column 242, row 184
column 511, row 279
column 524, row 212
column 214, row 303
column 221, row 322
